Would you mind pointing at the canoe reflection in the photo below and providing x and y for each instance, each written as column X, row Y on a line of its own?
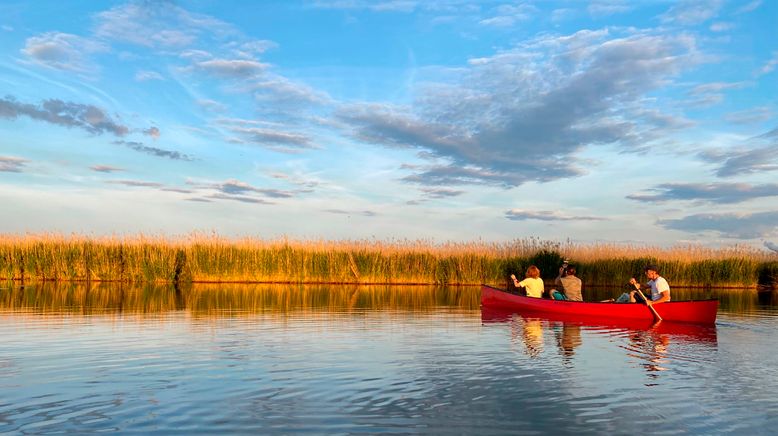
column 653, row 346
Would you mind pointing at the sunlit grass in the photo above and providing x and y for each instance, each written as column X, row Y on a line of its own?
column 210, row 258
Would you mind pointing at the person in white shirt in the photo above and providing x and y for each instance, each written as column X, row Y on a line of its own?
column 533, row 283
column 660, row 289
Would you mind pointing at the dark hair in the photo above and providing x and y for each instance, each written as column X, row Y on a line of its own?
column 570, row 270
column 651, row 267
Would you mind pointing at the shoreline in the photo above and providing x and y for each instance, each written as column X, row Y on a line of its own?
column 549, row 285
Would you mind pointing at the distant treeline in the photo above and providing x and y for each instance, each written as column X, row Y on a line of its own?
column 209, row 258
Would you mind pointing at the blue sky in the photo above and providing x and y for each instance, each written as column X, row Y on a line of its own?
column 620, row 121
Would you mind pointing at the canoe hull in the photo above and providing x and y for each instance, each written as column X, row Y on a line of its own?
column 695, row 312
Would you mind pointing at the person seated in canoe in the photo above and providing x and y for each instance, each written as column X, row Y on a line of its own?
column 533, row 284
column 660, row 289
column 568, row 284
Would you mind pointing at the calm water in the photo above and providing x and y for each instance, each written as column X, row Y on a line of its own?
column 281, row 359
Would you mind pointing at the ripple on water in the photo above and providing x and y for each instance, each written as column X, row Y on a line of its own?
column 397, row 371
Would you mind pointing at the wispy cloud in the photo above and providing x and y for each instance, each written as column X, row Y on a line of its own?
column 11, row 164
column 720, row 193
column 105, row 168
column 721, row 26
column 277, row 90
column 135, row 183
column 63, row 51
column 743, row 161
column 148, row 184
column 367, row 213
column 154, row 151
column 441, row 192
column 237, row 190
column 771, row 245
column 372, row 5
column 708, row 94
column 758, row 154
column 239, row 198
column 748, row 116
column 212, row 105
column 769, row 67
column 235, row 187
column 603, row 8
column 250, row 49
column 231, row 68
column 144, row 76
column 749, row 7
column 523, row 114
column 273, row 138
column 162, row 25
column 153, row 132
column 690, row 12
column 744, row 226
column 546, row 215
column 90, row 118
column 507, row 15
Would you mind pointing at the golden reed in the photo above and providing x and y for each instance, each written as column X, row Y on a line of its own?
column 200, row 257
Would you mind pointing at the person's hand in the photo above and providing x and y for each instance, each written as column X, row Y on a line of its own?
column 632, row 281
column 561, row 270
column 649, row 302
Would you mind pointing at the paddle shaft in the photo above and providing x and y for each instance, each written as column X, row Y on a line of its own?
column 656, row 315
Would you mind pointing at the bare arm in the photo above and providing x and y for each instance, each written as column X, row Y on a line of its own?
column 665, row 296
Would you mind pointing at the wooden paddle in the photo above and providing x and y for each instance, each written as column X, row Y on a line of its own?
column 656, row 314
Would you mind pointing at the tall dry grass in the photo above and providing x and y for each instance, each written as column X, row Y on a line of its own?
column 210, row 258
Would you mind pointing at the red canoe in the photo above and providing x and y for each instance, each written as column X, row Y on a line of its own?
column 696, row 312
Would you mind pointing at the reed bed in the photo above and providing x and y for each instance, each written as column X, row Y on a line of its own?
column 211, row 258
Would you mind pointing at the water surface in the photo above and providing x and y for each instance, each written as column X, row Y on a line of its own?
column 335, row 359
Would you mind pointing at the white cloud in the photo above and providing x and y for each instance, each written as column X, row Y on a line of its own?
column 372, row 5
column 604, row 8
column 749, row 7
column 545, row 215
column 709, row 94
column 770, row 65
column 523, row 114
column 508, row 15
column 142, row 76
column 755, row 155
column 273, row 138
column 719, row 193
column 212, row 105
column 250, row 49
column 691, row 12
column 730, row 225
column 275, row 89
column 63, row 51
column 152, row 131
column 157, row 24
column 11, row 164
column 105, row 168
column 64, row 113
column 231, row 68
column 749, row 116
column 721, row 26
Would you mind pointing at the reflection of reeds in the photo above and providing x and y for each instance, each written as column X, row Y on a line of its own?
column 218, row 300
column 209, row 258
